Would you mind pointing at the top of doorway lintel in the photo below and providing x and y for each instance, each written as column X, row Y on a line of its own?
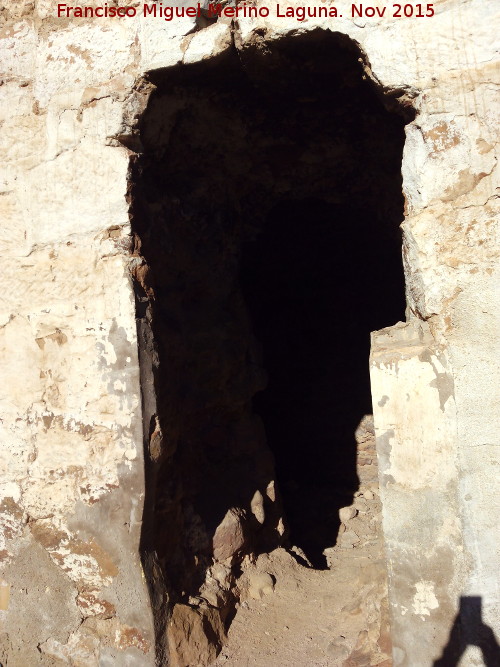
column 213, row 41
column 403, row 54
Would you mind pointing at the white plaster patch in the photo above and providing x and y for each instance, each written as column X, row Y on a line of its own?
column 424, row 599
column 81, row 568
column 10, row 490
column 417, row 461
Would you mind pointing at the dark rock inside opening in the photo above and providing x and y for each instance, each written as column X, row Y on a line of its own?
column 266, row 203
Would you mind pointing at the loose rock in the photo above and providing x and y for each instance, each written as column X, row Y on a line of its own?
column 260, row 584
column 347, row 513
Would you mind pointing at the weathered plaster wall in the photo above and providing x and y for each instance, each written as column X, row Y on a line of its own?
column 71, row 457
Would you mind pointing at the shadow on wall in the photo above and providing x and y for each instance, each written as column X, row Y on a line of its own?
column 470, row 630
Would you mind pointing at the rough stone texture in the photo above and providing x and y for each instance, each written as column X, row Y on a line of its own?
column 71, row 460
column 195, row 636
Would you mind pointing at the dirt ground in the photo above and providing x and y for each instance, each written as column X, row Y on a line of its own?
column 295, row 616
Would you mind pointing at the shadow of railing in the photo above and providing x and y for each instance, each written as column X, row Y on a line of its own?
column 470, row 630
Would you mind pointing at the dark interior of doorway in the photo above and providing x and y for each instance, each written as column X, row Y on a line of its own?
column 317, row 281
column 266, row 202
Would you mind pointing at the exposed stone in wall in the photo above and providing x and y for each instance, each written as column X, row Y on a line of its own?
column 72, row 470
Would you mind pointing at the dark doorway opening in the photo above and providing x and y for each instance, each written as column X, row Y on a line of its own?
column 266, row 203
column 318, row 280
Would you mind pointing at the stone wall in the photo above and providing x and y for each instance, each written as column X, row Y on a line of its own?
column 72, row 430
